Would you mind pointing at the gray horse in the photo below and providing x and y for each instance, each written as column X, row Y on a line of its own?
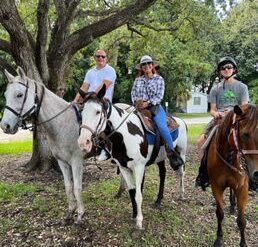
column 25, row 98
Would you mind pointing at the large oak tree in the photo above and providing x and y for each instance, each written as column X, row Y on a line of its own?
column 45, row 52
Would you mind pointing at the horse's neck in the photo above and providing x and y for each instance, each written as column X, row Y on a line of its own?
column 115, row 118
column 51, row 106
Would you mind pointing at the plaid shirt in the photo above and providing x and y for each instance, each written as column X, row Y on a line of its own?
column 151, row 90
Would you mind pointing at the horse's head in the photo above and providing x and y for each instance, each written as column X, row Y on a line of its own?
column 94, row 119
column 246, row 126
column 19, row 97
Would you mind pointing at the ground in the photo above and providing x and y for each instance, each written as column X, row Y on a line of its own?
column 36, row 218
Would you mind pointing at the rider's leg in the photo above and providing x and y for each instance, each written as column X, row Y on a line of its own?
column 161, row 122
column 200, row 143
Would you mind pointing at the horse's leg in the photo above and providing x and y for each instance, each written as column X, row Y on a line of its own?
column 77, row 169
column 218, row 195
column 232, row 199
column 139, row 174
column 68, row 182
column 121, row 188
column 181, row 172
column 128, row 177
column 162, row 176
column 242, row 198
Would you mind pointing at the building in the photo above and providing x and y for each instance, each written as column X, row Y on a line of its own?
column 197, row 103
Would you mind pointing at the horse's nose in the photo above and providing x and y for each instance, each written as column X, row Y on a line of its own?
column 84, row 144
column 255, row 176
column 5, row 127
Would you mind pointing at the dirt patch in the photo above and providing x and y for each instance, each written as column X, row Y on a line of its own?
column 104, row 226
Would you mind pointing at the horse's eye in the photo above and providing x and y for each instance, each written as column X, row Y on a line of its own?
column 246, row 136
column 98, row 112
column 19, row 95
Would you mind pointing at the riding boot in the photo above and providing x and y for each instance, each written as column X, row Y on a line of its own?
column 175, row 159
column 202, row 179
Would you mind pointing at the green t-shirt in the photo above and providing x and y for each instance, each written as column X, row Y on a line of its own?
column 228, row 95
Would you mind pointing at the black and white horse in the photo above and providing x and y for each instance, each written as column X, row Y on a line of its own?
column 130, row 147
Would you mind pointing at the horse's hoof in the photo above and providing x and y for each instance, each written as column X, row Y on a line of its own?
column 68, row 221
column 232, row 211
column 78, row 224
column 157, row 205
column 118, row 195
column 139, row 227
column 218, row 243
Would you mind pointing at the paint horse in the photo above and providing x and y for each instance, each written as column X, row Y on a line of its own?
column 233, row 161
column 26, row 98
column 130, row 147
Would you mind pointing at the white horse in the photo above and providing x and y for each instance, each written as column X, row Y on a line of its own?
column 27, row 98
column 129, row 143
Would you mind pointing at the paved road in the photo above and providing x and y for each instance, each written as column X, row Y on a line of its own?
column 26, row 134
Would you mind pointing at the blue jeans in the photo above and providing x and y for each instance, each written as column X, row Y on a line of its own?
column 161, row 122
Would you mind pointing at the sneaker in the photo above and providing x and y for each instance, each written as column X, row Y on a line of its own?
column 200, row 183
column 175, row 160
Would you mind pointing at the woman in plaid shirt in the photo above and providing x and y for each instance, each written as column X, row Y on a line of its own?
column 147, row 92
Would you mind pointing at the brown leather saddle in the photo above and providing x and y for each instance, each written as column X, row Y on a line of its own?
column 148, row 123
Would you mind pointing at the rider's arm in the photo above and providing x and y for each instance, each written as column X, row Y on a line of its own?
column 106, row 82
column 84, row 88
column 214, row 111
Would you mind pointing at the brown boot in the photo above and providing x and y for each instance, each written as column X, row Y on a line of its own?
column 174, row 159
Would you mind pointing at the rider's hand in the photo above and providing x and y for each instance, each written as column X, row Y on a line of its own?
column 217, row 115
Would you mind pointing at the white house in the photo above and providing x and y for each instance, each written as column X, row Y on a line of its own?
column 198, row 103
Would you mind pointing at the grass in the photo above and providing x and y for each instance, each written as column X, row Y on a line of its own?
column 16, row 147
column 194, row 131
column 31, row 213
column 192, row 115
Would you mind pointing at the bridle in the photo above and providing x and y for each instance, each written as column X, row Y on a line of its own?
column 106, row 112
column 33, row 111
column 240, row 153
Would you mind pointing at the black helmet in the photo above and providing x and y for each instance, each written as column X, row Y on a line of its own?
column 225, row 60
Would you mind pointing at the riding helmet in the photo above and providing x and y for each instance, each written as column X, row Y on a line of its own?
column 225, row 60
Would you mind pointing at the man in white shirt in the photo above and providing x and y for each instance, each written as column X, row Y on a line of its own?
column 97, row 76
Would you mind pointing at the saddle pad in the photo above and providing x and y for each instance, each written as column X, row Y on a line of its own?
column 151, row 138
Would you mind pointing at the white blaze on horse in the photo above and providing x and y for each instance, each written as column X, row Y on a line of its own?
column 26, row 98
column 130, row 147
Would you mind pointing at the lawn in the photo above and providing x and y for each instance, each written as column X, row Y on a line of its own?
column 32, row 206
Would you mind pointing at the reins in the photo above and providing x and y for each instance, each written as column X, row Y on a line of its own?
column 239, row 152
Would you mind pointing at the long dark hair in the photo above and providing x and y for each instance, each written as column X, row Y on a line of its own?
column 141, row 72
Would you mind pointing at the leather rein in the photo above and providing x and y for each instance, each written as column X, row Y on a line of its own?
column 241, row 153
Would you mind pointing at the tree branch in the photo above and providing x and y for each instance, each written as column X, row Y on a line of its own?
column 5, row 46
column 84, row 36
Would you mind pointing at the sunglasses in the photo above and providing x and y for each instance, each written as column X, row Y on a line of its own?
column 147, row 63
column 226, row 67
column 100, row 56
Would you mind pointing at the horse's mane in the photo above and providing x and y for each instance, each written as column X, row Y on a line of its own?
column 249, row 118
column 93, row 97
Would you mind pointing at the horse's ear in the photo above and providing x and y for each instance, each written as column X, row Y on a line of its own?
column 21, row 72
column 82, row 93
column 8, row 76
column 102, row 92
column 238, row 110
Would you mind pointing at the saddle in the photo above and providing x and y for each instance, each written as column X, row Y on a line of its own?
column 145, row 116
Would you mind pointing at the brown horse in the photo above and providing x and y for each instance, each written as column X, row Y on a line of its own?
column 233, row 161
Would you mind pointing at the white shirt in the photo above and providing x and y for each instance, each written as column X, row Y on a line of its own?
column 94, row 78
